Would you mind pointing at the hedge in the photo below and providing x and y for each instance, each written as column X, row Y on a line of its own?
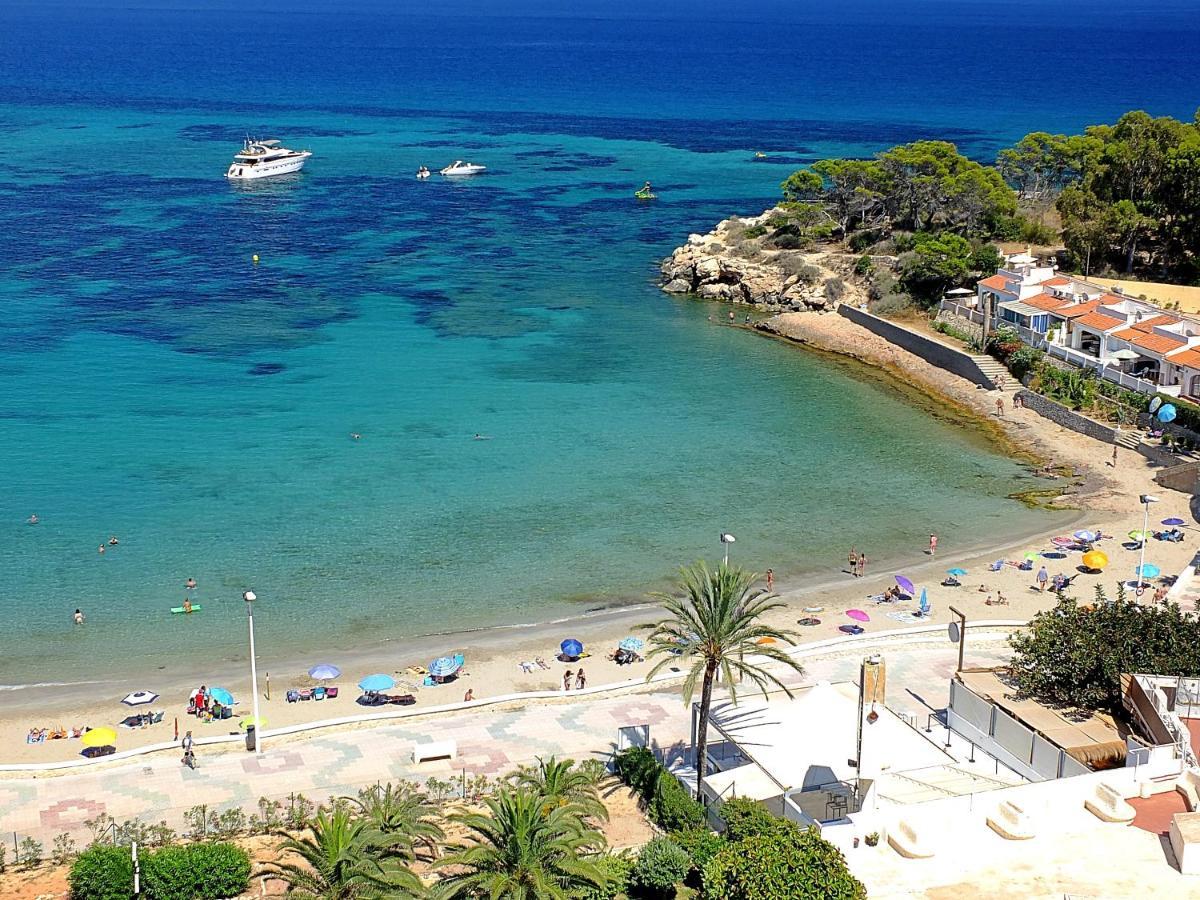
column 786, row 862
column 747, row 818
column 185, row 872
column 660, row 866
column 668, row 803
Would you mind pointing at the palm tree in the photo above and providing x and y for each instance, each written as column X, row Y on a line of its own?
column 716, row 626
column 345, row 859
column 522, row 852
column 401, row 812
column 560, row 783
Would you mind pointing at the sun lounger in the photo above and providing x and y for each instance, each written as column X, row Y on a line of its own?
column 318, row 693
column 305, row 694
column 400, row 699
column 331, row 693
column 434, row 750
column 1108, row 805
column 1011, row 822
column 996, row 566
column 906, row 841
column 293, row 696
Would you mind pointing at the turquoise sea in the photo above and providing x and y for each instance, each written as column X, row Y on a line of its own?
column 158, row 385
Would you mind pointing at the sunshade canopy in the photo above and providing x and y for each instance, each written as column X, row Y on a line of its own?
column 377, row 682
column 323, row 672
column 99, row 737
column 137, row 698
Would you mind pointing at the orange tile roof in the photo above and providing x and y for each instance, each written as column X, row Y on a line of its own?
column 1189, row 358
column 1149, row 324
column 996, row 283
column 1155, row 343
column 1100, row 321
column 1057, row 282
column 1047, row 302
column 1074, row 312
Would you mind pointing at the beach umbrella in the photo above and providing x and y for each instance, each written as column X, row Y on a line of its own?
column 378, row 682
column 1147, row 570
column 99, row 737
column 324, row 672
column 632, row 644
column 220, row 695
column 571, row 648
column 258, row 723
column 1155, row 404
column 1095, row 559
column 1063, row 541
column 137, row 698
column 443, row 666
column 1087, row 537
column 956, row 572
column 858, row 615
column 1031, row 555
column 1167, row 413
column 924, row 605
column 1174, row 520
column 1138, row 536
column 905, row 585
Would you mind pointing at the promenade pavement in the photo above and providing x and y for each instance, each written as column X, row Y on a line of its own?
column 491, row 741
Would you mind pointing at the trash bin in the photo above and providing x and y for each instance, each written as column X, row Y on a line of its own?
column 250, row 737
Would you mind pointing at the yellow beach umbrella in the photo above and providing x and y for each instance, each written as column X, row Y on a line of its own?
column 99, row 737
column 1095, row 559
column 246, row 721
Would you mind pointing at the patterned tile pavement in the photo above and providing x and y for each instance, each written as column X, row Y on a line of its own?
column 491, row 741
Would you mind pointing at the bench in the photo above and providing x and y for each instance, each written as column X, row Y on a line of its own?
column 1109, row 806
column 907, row 842
column 434, row 750
column 1188, row 784
column 1011, row 822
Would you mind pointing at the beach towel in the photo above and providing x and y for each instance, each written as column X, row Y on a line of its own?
column 905, row 618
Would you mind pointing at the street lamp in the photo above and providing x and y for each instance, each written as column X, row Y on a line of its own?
column 727, row 539
column 249, row 597
column 1146, row 500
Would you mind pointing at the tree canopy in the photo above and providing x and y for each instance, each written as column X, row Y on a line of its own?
column 1074, row 654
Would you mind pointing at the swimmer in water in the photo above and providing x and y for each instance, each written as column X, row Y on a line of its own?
column 32, row 520
column 112, row 541
column 191, row 584
column 101, row 549
column 354, row 435
column 79, row 617
column 482, row 437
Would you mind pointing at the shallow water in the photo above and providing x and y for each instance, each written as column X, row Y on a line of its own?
column 158, row 385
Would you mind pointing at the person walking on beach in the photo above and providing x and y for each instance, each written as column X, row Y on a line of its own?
column 567, row 679
column 770, row 581
column 862, row 564
column 853, row 560
column 580, row 680
column 932, row 544
column 189, row 755
column 1114, row 457
column 1042, row 577
column 1000, row 406
column 78, row 616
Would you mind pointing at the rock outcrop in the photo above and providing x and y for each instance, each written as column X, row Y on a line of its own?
column 731, row 264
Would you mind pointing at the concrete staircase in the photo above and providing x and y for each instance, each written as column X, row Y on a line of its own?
column 1128, row 439
column 992, row 369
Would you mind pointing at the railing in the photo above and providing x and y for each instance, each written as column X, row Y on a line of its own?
column 1086, row 361
column 969, row 313
column 1170, row 717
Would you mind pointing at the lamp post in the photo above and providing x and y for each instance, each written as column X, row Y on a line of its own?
column 249, row 597
column 726, row 540
column 1146, row 499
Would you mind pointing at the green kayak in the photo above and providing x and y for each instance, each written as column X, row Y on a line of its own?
column 196, row 607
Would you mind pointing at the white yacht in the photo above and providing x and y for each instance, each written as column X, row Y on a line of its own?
column 463, row 168
column 259, row 159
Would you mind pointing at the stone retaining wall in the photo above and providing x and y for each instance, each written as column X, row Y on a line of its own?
column 931, row 351
column 1067, row 418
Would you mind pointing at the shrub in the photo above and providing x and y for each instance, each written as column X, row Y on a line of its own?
column 637, row 767
column 786, row 862
column 660, row 866
column 956, row 333
column 63, row 849
column 893, row 304
column 754, row 231
column 196, row 871
column 673, row 808
column 1024, row 361
column 864, row 240
column 616, row 868
column 747, row 818
column 864, row 265
column 102, row 873
column 835, row 289
column 230, row 823
column 700, row 845
column 30, row 852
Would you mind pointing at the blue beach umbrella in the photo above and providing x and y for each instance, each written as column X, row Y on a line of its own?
column 1086, row 536
column 956, row 572
column 1174, row 520
column 220, row 695
column 632, row 644
column 324, row 672
column 924, row 605
column 443, row 666
column 571, row 648
column 1147, row 571
column 378, row 682
column 1167, row 413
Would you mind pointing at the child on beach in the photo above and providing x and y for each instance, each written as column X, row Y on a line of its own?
column 932, row 544
column 862, row 564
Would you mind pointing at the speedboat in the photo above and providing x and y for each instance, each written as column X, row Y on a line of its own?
column 463, row 168
column 423, row 172
column 260, row 159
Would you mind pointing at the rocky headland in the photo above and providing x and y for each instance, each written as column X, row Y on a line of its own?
column 736, row 262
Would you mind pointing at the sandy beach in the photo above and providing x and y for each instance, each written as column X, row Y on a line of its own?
column 1106, row 498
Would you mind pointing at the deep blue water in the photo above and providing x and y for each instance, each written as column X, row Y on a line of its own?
column 157, row 385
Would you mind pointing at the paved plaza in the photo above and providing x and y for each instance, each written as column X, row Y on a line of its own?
column 491, row 741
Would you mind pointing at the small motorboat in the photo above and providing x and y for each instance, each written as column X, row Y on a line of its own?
column 423, row 172
column 760, row 155
column 463, row 168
